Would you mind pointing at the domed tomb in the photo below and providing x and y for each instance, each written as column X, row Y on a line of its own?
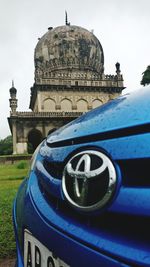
column 69, row 48
column 69, row 81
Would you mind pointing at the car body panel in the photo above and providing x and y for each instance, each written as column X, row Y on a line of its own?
column 117, row 234
column 121, row 113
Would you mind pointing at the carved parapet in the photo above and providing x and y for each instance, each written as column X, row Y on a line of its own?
column 110, row 77
column 113, row 77
column 47, row 114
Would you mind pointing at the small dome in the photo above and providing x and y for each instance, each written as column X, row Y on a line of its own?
column 69, row 47
column 13, row 90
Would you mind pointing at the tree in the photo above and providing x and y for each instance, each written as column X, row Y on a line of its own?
column 146, row 76
column 6, row 146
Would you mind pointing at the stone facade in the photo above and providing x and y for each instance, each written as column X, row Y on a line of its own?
column 69, row 81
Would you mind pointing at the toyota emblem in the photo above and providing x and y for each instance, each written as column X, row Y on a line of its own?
column 89, row 180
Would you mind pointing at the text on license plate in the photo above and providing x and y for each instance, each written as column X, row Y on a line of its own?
column 37, row 255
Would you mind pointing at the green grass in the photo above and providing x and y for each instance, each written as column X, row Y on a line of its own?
column 11, row 177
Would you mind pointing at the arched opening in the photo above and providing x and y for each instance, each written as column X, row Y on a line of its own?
column 66, row 105
column 49, row 105
column 96, row 103
column 34, row 139
column 82, row 105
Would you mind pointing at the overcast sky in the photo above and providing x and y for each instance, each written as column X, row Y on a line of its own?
column 121, row 26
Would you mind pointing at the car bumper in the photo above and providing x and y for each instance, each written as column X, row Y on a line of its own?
column 69, row 250
column 68, row 239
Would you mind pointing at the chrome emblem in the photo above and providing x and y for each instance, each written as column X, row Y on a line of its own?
column 89, row 180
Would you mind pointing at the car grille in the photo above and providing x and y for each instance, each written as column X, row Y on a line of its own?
column 134, row 172
column 55, row 169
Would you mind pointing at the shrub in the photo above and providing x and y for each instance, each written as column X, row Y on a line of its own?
column 6, row 146
column 22, row 165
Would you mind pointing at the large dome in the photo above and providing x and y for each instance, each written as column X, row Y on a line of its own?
column 71, row 48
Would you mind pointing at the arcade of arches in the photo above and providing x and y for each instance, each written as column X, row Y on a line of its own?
column 66, row 104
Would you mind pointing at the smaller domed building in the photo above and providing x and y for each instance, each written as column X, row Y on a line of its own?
column 69, row 80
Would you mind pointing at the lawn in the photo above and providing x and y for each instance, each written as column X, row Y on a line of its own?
column 11, row 176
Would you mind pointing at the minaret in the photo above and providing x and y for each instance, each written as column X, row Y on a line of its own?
column 118, row 71
column 119, row 77
column 13, row 100
column 13, row 106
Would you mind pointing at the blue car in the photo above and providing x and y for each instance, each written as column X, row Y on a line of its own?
column 86, row 201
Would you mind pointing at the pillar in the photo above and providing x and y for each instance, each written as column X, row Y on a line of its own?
column 14, row 134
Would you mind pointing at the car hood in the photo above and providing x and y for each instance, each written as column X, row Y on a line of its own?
column 128, row 111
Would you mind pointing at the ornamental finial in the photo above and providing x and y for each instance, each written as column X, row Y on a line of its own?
column 66, row 16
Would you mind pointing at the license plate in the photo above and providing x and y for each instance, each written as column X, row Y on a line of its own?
column 37, row 255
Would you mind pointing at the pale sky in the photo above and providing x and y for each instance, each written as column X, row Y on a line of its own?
column 122, row 27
